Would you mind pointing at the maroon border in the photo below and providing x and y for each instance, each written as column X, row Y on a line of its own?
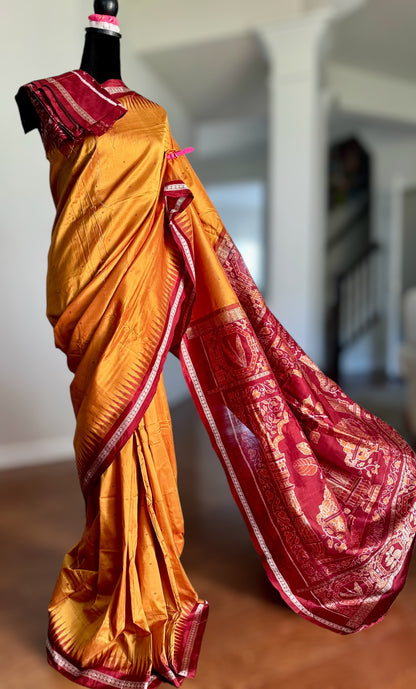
column 87, row 484
column 193, row 621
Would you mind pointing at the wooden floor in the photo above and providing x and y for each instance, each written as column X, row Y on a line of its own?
column 253, row 641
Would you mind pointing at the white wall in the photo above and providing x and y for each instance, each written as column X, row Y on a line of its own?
column 36, row 418
column 241, row 205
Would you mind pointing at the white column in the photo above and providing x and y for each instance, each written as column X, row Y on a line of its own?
column 297, row 177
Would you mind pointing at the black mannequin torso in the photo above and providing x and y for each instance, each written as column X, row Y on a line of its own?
column 100, row 58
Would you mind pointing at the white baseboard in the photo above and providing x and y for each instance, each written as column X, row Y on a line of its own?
column 49, row 450
column 33, row 452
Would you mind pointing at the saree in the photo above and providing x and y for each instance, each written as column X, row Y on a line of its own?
column 140, row 265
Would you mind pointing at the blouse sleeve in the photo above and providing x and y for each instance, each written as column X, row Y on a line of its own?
column 67, row 107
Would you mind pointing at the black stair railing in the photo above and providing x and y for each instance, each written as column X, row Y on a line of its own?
column 356, row 308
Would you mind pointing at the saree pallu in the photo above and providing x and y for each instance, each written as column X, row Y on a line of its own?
column 140, row 265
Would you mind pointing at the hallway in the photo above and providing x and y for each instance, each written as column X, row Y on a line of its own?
column 253, row 641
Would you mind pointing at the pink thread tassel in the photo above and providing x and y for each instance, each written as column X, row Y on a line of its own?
column 175, row 154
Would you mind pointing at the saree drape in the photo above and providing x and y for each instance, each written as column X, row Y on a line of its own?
column 140, row 264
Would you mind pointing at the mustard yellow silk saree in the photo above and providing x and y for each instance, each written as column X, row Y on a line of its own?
column 140, row 264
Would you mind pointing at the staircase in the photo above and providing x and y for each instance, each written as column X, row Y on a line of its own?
column 353, row 260
column 356, row 307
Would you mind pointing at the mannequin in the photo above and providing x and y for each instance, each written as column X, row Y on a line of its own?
column 100, row 58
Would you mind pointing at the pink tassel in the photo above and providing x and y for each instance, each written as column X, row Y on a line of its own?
column 175, row 154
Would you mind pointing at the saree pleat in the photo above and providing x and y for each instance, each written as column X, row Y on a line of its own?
column 122, row 599
column 141, row 264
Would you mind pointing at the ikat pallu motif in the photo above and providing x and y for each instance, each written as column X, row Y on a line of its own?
column 140, row 265
column 326, row 488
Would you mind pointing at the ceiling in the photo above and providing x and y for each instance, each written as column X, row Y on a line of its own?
column 380, row 37
column 227, row 77
column 216, row 79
